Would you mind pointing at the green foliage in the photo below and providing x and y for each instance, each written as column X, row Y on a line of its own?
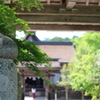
column 65, row 82
column 75, row 37
column 22, row 4
column 8, row 21
column 28, row 4
column 60, row 39
column 55, row 39
column 84, row 72
column 29, row 54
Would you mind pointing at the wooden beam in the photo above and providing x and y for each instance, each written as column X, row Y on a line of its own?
column 67, row 14
column 59, row 9
column 28, row 74
column 84, row 18
column 25, row 69
column 60, row 18
column 57, row 88
column 56, row 27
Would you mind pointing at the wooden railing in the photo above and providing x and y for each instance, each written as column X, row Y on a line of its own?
column 45, row 2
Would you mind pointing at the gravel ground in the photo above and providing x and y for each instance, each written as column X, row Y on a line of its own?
column 37, row 98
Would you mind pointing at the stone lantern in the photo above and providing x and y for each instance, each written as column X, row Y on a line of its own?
column 8, row 72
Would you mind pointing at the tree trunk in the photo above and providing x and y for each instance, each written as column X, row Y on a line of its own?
column 66, row 93
column 82, row 95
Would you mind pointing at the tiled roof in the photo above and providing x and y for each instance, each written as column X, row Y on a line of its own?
column 59, row 52
column 63, row 52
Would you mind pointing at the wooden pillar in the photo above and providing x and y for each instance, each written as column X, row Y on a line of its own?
column 46, row 93
column 44, row 84
column 47, row 89
column 23, row 83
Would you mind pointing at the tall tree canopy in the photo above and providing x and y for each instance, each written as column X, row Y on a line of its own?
column 60, row 39
column 28, row 52
column 85, row 69
column 65, row 81
column 55, row 39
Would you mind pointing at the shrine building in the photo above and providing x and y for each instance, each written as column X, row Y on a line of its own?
column 59, row 52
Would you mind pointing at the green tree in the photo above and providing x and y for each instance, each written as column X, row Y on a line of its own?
column 29, row 54
column 84, row 70
column 65, row 82
column 75, row 37
column 60, row 39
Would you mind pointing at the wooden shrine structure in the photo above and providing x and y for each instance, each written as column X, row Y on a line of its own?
column 61, row 15
column 59, row 52
column 74, row 15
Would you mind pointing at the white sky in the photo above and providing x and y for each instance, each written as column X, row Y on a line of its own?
column 51, row 34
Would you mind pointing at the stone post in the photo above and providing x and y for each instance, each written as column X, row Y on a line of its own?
column 8, row 72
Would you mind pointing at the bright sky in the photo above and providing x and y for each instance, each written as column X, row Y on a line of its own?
column 51, row 34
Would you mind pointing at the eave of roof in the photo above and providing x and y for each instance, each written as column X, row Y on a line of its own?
column 34, row 37
column 53, row 43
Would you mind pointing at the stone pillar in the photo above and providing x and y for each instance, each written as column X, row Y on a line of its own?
column 8, row 72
